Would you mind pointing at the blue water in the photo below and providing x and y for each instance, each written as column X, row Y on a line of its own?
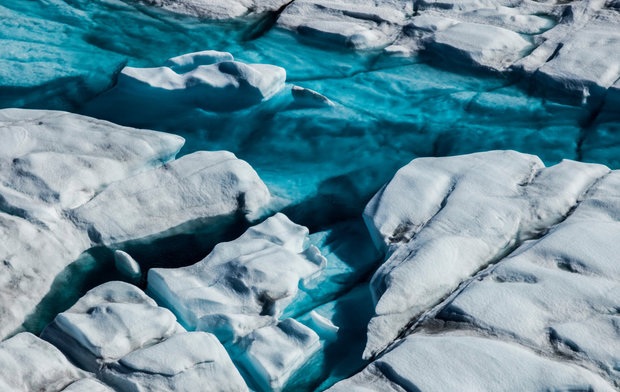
column 323, row 163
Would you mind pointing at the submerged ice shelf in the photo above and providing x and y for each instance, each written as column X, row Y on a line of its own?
column 323, row 101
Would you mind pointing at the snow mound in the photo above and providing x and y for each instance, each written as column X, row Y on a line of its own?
column 272, row 354
column 109, row 322
column 195, row 187
column 188, row 361
column 31, row 364
column 242, row 284
column 467, row 363
column 443, row 219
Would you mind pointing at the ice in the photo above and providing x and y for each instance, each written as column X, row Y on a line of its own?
column 87, row 384
column 272, row 354
column 31, row 364
column 208, row 80
column 187, row 361
column 467, row 363
column 198, row 187
column 127, row 266
column 563, row 288
column 443, row 219
column 243, row 284
column 109, row 323
column 220, row 9
column 484, row 45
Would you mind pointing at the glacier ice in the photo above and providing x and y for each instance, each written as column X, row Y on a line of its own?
column 243, row 284
column 468, row 363
column 31, row 364
column 186, row 361
column 65, row 176
column 438, row 234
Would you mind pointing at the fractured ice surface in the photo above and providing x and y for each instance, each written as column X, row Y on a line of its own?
column 207, row 80
column 187, row 361
column 68, row 182
column 31, row 364
column 272, row 354
column 109, row 322
column 467, row 363
column 242, row 284
column 442, row 220
column 564, row 288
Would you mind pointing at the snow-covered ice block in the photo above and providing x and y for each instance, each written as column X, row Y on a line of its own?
column 564, row 289
column 220, row 9
column 31, row 364
column 483, row 45
column 51, row 162
column 64, row 159
column 272, row 354
column 109, row 322
column 242, row 284
column 207, row 80
column 194, row 188
column 357, row 24
column 443, row 219
column 87, row 385
column 191, row 361
column 467, row 363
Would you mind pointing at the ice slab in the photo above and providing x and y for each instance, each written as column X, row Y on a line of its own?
column 109, row 322
column 272, row 354
column 196, row 187
column 467, row 363
column 31, row 364
column 562, row 288
column 242, row 284
column 443, row 219
column 187, row 361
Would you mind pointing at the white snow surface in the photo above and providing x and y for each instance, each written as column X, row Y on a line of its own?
column 564, row 289
column 466, row 363
column 566, row 46
column 189, row 361
column 196, row 187
column 31, row 364
column 272, row 354
column 69, row 181
column 443, row 219
column 207, row 80
column 243, row 284
column 109, row 322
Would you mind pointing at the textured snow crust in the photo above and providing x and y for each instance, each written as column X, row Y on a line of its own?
column 68, row 182
column 243, row 284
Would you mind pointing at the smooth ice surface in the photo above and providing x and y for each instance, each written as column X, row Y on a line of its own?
column 109, row 322
column 466, row 363
column 31, row 364
column 188, row 361
column 443, row 219
column 243, row 284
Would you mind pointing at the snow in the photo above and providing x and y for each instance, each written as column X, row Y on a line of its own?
column 272, row 354
column 87, row 384
column 443, row 219
column 108, row 323
column 243, row 284
column 198, row 187
column 466, row 363
column 31, row 364
column 127, row 266
column 184, row 362
column 562, row 287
